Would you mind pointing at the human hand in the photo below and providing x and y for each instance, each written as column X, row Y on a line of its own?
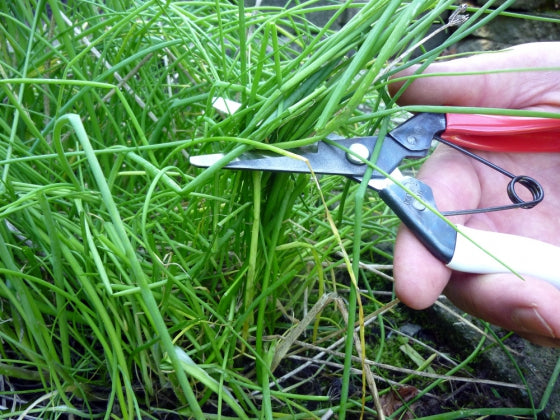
column 528, row 307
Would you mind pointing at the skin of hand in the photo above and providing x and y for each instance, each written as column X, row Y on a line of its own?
column 530, row 306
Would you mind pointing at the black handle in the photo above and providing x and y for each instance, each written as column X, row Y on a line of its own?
column 435, row 233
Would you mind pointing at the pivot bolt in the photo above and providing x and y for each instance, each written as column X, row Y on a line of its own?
column 359, row 151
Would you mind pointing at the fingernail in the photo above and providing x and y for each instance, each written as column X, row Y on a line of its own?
column 530, row 320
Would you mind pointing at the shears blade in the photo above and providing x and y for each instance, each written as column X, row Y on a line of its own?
column 328, row 157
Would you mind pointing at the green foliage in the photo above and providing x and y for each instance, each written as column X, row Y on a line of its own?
column 137, row 286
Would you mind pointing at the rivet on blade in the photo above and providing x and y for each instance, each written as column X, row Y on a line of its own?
column 359, row 151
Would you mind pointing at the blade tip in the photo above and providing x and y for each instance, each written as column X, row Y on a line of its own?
column 205, row 161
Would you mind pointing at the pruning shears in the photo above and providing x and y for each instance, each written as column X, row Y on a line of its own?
column 459, row 247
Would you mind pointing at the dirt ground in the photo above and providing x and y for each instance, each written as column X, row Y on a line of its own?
column 536, row 364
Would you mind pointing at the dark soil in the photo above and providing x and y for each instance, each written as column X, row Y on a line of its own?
column 534, row 363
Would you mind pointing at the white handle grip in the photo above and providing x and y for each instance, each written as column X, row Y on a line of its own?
column 496, row 250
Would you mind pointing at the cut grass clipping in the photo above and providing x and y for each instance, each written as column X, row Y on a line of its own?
column 136, row 286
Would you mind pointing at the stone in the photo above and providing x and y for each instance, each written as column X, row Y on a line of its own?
column 524, row 5
column 503, row 32
column 319, row 18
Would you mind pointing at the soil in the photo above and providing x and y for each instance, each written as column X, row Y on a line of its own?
column 536, row 364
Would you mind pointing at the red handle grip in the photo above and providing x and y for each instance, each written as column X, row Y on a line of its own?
column 503, row 133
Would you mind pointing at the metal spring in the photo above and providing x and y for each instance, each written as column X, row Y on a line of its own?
column 529, row 183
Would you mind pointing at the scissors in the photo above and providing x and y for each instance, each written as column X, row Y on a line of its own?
column 459, row 247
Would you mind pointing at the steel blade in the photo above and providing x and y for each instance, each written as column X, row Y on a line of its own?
column 325, row 157
column 322, row 158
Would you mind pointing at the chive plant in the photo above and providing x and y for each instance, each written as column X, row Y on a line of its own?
column 136, row 286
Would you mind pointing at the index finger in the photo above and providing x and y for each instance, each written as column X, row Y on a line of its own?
column 522, row 77
column 420, row 277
